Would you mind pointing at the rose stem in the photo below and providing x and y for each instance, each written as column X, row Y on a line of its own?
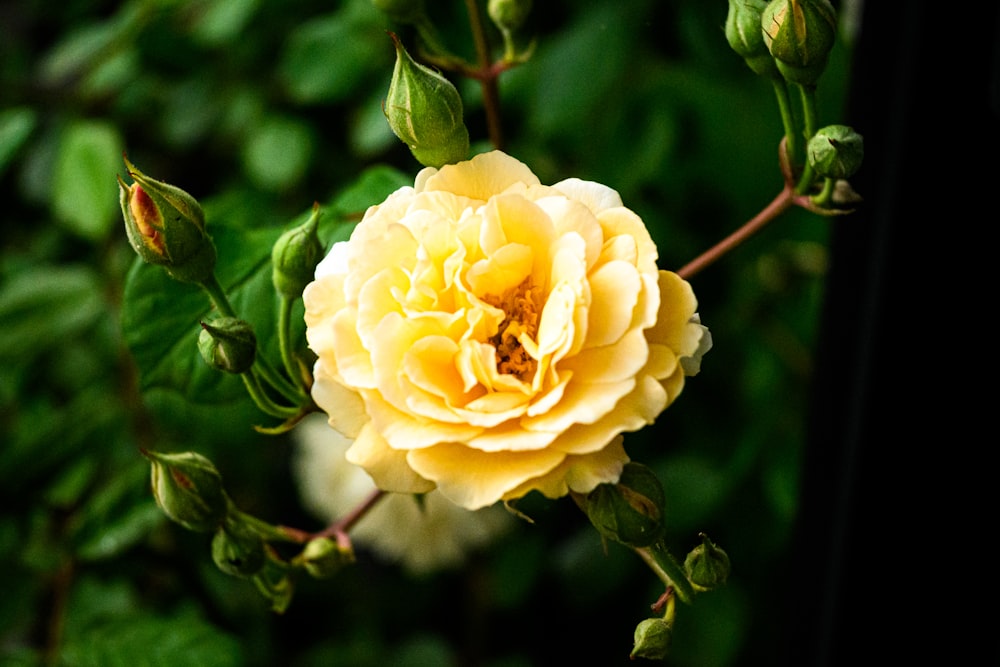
column 779, row 205
column 488, row 76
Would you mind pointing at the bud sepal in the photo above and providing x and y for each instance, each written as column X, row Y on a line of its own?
column 295, row 255
column 228, row 344
column 745, row 37
column 629, row 511
column 836, row 151
column 651, row 639
column 424, row 110
column 323, row 557
column 166, row 226
column 706, row 566
column 188, row 488
column 238, row 548
column 800, row 35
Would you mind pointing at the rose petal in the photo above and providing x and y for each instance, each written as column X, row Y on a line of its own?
column 614, row 290
column 580, row 474
column 387, row 466
column 482, row 177
column 475, row 479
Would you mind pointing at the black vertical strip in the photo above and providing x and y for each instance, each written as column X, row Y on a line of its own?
column 896, row 488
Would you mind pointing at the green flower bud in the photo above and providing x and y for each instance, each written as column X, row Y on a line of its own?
column 237, row 548
column 228, row 344
column 836, row 151
column 323, row 557
column 744, row 34
column 403, row 11
column 707, row 566
column 166, row 226
column 508, row 15
column 188, row 488
column 800, row 34
column 295, row 256
column 631, row 511
column 652, row 639
column 424, row 110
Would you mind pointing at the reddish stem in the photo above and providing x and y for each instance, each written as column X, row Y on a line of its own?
column 486, row 75
column 779, row 205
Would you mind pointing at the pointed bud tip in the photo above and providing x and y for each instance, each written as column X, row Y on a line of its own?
column 652, row 639
column 707, row 566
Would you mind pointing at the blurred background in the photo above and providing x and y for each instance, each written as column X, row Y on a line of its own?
column 259, row 108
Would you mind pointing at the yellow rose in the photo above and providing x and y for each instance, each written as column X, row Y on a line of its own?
column 487, row 335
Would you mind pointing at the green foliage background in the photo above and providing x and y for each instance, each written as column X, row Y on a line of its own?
column 259, row 108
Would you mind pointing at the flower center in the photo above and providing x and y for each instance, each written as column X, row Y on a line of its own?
column 520, row 319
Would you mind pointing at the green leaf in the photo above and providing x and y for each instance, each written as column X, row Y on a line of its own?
column 329, row 57
column 278, row 152
column 45, row 436
column 372, row 187
column 41, row 301
column 221, row 21
column 121, row 513
column 160, row 317
column 16, row 126
column 84, row 195
column 145, row 640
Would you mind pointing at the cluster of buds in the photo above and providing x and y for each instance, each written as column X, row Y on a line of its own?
column 188, row 489
column 790, row 41
column 788, row 38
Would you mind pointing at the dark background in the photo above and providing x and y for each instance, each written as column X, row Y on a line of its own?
column 836, row 442
column 899, row 497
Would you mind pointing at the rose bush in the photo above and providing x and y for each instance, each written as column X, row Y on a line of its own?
column 487, row 335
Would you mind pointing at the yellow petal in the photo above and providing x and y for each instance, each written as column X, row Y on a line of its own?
column 582, row 403
column 614, row 290
column 482, row 177
column 387, row 466
column 594, row 196
column 579, row 473
column 475, row 479
column 344, row 407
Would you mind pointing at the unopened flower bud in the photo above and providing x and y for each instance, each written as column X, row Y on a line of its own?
column 237, row 548
column 424, row 110
column 403, row 11
column 508, row 15
column 188, row 488
column 166, row 226
column 228, row 344
column 630, row 511
column 295, row 256
column 652, row 639
column 744, row 34
column 707, row 566
column 323, row 557
column 836, row 151
column 800, row 34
